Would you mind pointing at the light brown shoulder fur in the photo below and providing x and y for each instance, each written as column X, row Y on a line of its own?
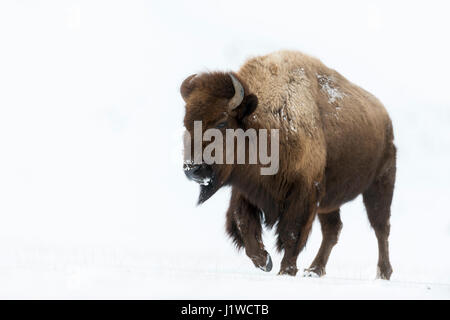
column 283, row 85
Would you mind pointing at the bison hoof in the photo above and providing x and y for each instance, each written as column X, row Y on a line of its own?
column 290, row 271
column 314, row 272
column 268, row 265
column 384, row 272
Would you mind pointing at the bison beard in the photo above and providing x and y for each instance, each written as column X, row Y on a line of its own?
column 205, row 176
column 336, row 142
column 208, row 190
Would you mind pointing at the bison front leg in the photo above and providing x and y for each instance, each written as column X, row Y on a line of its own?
column 293, row 231
column 244, row 227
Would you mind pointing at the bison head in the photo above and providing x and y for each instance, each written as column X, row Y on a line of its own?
column 218, row 101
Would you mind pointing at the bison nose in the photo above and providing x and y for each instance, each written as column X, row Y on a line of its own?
column 200, row 173
column 191, row 170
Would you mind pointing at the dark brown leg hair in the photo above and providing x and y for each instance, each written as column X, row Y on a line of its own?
column 245, row 229
column 331, row 226
column 377, row 200
column 293, row 230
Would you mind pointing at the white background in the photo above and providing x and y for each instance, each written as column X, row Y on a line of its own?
column 93, row 199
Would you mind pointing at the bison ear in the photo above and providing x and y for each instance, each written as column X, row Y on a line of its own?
column 247, row 107
column 187, row 87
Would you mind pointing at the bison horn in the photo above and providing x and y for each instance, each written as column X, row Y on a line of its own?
column 238, row 94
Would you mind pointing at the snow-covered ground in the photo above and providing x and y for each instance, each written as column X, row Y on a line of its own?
column 93, row 199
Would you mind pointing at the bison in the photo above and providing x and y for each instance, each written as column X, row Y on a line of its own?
column 335, row 143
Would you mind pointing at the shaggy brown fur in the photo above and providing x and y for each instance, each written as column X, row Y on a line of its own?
column 336, row 142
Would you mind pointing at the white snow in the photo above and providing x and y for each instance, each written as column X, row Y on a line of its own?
column 292, row 126
column 329, row 87
column 94, row 202
column 310, row 274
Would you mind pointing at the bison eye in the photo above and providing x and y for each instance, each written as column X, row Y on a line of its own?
column 221, row 125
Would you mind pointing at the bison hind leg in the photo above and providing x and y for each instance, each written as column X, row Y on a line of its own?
column 331, row 226
column 377, row 200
